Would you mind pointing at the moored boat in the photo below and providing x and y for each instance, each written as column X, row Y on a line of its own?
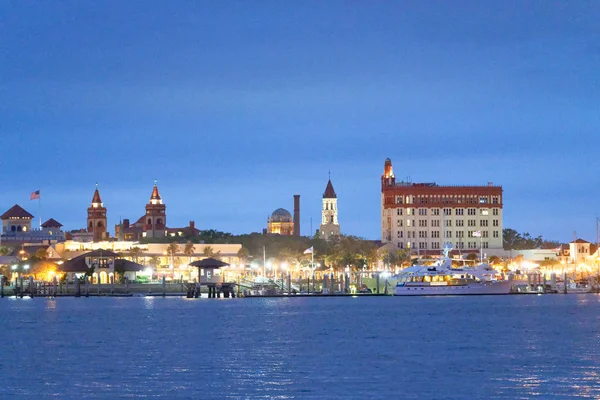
column 443, row 279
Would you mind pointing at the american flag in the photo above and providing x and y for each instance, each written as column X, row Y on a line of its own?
column 35, row 195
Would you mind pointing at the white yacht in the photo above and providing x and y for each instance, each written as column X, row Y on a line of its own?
column 443, row 279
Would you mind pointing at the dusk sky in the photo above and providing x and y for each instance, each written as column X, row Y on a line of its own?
column 234, row 106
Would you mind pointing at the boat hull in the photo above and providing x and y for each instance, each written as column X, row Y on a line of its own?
column 488, row 288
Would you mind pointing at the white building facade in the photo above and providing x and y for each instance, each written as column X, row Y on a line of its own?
column 421, row 217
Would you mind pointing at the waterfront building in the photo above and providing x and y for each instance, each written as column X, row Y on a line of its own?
column 16, row 228
column 580, row 251
column 52, row 229
column 282, row 223
column 104, row 264
column 329, row 214
column 421, row 217
column 96, row 219
column 157, row 256
column 16, row 220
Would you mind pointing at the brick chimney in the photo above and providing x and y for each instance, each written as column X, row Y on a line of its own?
column 297, row 215
column 126, row 223
column 192, row 225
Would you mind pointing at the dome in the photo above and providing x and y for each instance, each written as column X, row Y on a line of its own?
column 281, row 215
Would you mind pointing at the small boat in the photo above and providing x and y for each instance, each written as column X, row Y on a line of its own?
column 443, row 279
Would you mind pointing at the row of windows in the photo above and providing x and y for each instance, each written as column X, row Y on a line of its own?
column 456, row 199
column 436, row 245
column 446, row 211
column 447, row 234
column 447, row 223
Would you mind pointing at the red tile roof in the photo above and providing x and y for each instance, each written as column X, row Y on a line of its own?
column 16, row 211
column 580, row 241
column 51, row 223
column 329, row 192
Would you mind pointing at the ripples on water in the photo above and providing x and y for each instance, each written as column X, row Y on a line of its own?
column 504, row 347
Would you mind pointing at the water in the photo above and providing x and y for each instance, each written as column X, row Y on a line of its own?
column 503, row 347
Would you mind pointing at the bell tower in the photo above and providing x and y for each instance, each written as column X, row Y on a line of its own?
column 156, row 216
column 387, row 179
column 96, row 219
column 329, row 214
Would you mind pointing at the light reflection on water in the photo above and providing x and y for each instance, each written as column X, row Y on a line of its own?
column 452, row 348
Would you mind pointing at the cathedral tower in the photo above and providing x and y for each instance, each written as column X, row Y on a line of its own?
column 96, row 220
column 156, row 216
column 329, row 214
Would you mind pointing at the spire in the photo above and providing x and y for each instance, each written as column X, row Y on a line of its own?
column 96, row 198
column 329, row 192
column 155, row 195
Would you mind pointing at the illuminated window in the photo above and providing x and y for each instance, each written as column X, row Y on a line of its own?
column 484, row 211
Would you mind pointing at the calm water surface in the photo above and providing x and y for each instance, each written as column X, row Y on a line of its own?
column 504, row 347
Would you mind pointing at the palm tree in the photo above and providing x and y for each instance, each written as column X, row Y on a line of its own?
column 189, row 250
column 172, row 249
column 402, row 257
column 208, row 252
column 154, row 261
column 134, row 253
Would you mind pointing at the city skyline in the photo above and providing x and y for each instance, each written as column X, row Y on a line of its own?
column 235, row 108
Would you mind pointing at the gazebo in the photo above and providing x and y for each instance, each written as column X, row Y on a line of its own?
column 104, row 263
column 208, row 276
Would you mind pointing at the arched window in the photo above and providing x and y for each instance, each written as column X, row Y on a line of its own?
column 149, row 221
column 159, row 221
column 19, row 229
column 13, row 228
column 91, row 224
column 332, row 219
column 100, row 224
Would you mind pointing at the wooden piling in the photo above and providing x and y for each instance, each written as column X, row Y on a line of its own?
column 87, row 286
column 77, row 287
column 2, row 286
column 31, row 287
column 164, row 286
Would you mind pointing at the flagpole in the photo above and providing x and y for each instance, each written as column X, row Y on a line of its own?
column 40, row 208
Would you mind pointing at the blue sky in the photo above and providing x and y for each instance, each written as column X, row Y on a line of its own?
column 234, row 106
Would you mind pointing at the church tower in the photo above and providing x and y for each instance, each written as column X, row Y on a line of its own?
column 329, row 214
column 96, row 220
column 156, row 216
